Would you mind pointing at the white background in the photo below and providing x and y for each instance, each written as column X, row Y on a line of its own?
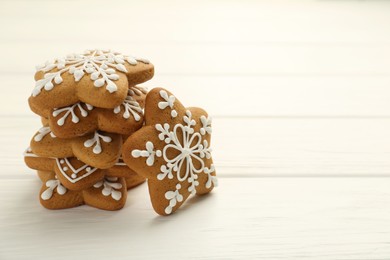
column 299, row 92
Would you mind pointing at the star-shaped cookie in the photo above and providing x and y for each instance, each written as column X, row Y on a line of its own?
column 172, row 150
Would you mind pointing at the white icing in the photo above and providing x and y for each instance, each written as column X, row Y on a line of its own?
column 51, row 186
column 131, row 107
column 70, row 110
column 189, row 151
column 100, row 64
column 173, row 197
column 211, row 179
column 149, row 153
column 120, row 162
column 28, row 153
column 168, row 102
column 42, row 132
column 189, row 147
column 138, row 90
column 95, row 140
column 110, row 187
column 206, row 125
column 74, row 172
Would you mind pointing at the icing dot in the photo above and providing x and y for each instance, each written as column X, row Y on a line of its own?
column 65, row 168
column 62, row 161
column 88, row 169
column 173, row 113
column 73, row 175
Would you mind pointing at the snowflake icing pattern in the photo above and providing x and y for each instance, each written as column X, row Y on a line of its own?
column 101, row 65
column 190, row 148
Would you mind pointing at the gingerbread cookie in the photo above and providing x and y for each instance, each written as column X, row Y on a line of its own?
column 132, row 179
column 172, row 151
column 54, row 195
column 99, row 149
column 76, row 175
column 96, row 77
column 80, row 119
column 108, row 194
column 35, row 162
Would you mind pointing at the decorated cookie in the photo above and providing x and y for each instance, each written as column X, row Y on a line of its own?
column 132, row 179
column 76, row 175
column 98, row 149
column 54, row 195
column 96, row 77
column 108, row 194
column 80, row 119
column 138, row 93
column 35, row 162
column 120, row 169
column 45, row 175
column 172, row 151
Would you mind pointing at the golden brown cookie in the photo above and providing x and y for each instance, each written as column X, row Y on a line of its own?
column 76, row 175
column 54, row 195
column 45, row 175
column 35, row 162
column 172, row 151
column 108, row 194
column 96, row 77
column 131, row 177
column 80, row 118
column 99, row 149
column 132, row 180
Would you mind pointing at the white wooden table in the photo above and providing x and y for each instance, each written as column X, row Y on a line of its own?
column 299, row 92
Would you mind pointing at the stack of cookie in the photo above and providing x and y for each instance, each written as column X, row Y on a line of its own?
column 89, row 104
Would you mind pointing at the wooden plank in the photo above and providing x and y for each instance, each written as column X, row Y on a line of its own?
column 258, row 146
column 264, row 218
column 302, row 147
column 230, row 39
column 222, row 59
column 194, row 21
column 250, row 96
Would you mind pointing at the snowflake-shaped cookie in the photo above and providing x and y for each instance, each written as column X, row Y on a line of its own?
column 102, row 66
column 97, row 77
column 172, row 151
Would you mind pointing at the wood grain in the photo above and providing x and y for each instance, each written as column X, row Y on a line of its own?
column 255, row 96
column 226, row 58
column 194, row 21
column 299, row 93
column 244, row 147
column 256, row 218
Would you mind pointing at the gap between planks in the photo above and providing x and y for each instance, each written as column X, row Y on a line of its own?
column 241, row 219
